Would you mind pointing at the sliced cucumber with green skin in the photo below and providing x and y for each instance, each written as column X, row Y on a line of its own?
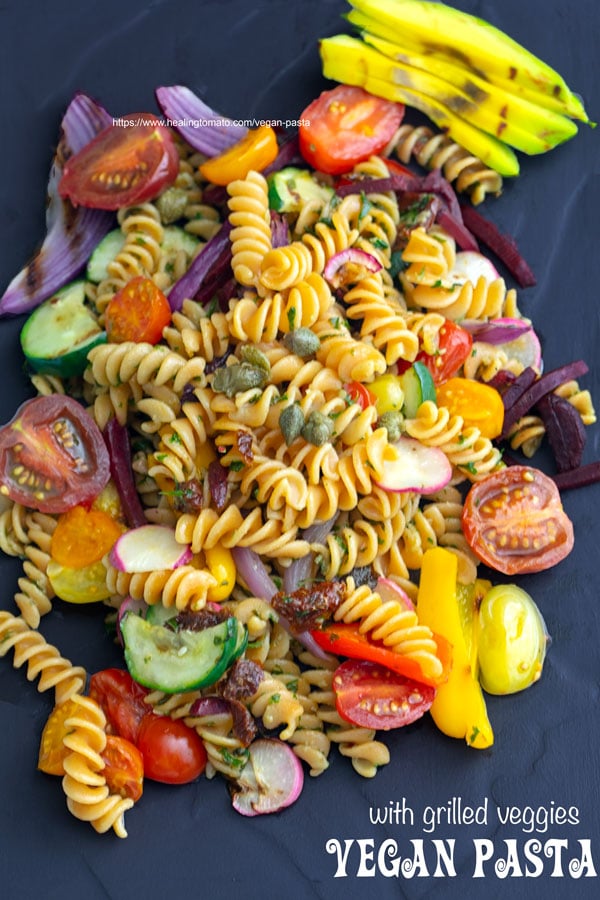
column 291, row 187
column 173, row 661
column 417, row 385
column 175, row 239
column 109, row 247
column 159, row 615
column 241, row 642
column 58, row 335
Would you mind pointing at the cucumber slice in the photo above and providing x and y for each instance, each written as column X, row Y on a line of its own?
column 290, row 188
column 417, row 385
column 176, row 239
column 173, row 661
column 58, row 335
column 109, row 247
column 241, row 642
column 159, row 615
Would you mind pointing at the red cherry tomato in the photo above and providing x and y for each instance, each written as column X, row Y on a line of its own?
column 138, row 312
column 454, row 347
column 345, row 126
column 371, row 696
column 52, row 455
column 514, row 521
column 173, row 753
column 122, row 701
column 124, row 768
column 124, row 164
column 360, row 394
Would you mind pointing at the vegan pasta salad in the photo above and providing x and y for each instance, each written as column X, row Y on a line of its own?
column 271, row 433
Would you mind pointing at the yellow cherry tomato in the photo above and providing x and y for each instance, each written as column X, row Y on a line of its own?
column 388, row 393
column 52, row 750
column 256, row 150
column 84, row 585
column 220, row 563
column 478, row 404
column 83, row 536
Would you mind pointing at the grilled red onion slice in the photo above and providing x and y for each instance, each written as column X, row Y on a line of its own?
column 71, row 233
column 204, row 129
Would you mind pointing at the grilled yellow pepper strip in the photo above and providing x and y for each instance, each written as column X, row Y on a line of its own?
column 459, row 707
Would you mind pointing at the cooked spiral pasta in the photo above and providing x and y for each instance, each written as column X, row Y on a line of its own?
column 275, row 705
column 35, row 594
column 185, row 587
column 352, row 359
column 43, row 660
column 88, row 795
column 251, row 227
column 437, row 151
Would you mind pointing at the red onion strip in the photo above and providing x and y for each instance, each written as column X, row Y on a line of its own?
column 72, row 233
column 119, row 452
column 204, row 129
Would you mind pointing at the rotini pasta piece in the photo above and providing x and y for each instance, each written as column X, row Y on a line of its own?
column 88, row 795
column 381, row 321
column 231, row 529
column 466, row 448
column 486, row 360
column 251, row 227
column 13, row 527
column 483, row 300
column 259, row 617
column 251, row 318
column 388, row 621
column 43, row 660
column 360, row 466
column 181, row 452
column 35, row 594
column 139, row 255
column 193, row 332
column 283, row 267
column 438, row 151
column 202, row 220
column 275, row 705
column 46, row 385
column 430, row 257
column 185, row 587
column 353, row 360
column 527, row 435
column 176, row 706
column 328, row 239
column 581, row 400
column 224, row 750
column 308, row 300
column 117, row 364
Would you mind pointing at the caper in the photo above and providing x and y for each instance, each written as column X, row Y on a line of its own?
column 291, row 422
column 231, row 380
column 317, row 429
column 255, row 357
column 171, row 205
column 303, row 342
column 512, row 640
column 392, row 421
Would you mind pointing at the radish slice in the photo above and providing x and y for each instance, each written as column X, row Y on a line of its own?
column 525, row 348
column 410, row 466
column 148, row 548
column 271, row 780
column 389, row 590
column 470, row 266
column 351, row 255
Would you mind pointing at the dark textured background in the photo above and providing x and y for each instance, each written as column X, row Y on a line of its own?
column 261, row 59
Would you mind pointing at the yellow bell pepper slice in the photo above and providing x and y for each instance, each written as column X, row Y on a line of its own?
column 459, row 708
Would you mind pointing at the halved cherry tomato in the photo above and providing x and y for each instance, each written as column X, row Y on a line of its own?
column 455, row 345
column 123, row 165
column 84, row 585
column 122, row 701
column 360, row 394
column 346, row 125
column 83, row 536
column 124, row 768
column 514, row 521
column 480, row 405
column 371, row 696
column 256, row 150
column 173, row 752
column 138, row 312
column 52, row 455
column 346, row 640
column 52, row 750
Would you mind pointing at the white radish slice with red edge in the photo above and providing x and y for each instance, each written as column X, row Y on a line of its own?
column 389, row 590
column 148, row 548
column 525, row 348
column 411, row 466
column 469, row 265
column 271, row 780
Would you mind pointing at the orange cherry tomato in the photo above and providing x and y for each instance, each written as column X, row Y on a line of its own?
column 480, row 405
column 125, row 164
column 345, row 126
column 83, row 537
column 514, row 521
column 124, row 768
column 138, row 312
column 256, row 150
column 52, row 751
